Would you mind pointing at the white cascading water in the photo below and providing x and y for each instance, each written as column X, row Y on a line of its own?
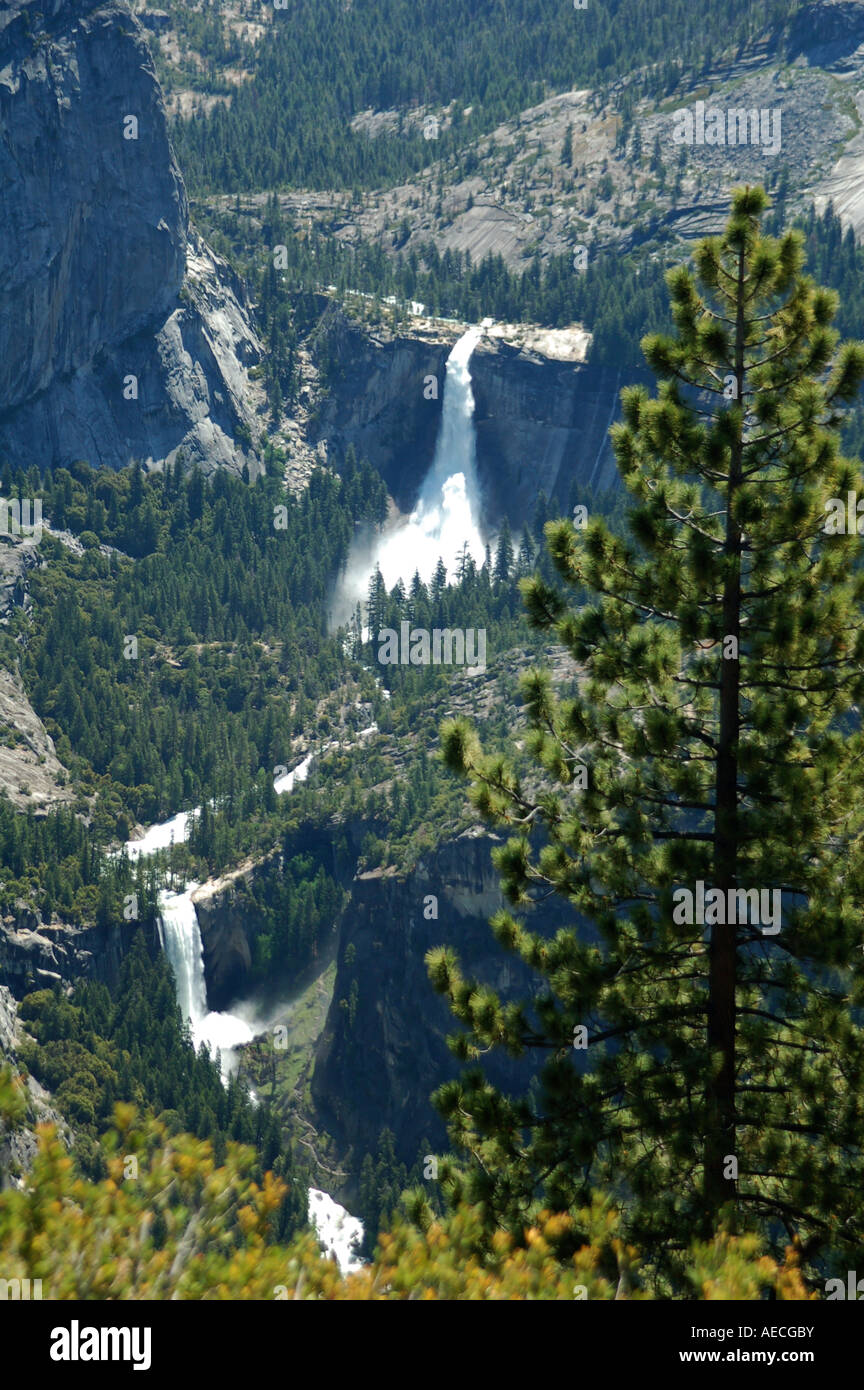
column 181, row 940
column 170, row 832
column 340, row 1233
column 287, row 781
column 181, row 936
column 447, row 513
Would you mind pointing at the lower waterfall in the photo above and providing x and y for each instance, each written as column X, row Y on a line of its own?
column 339, row 1233
column 181, row 941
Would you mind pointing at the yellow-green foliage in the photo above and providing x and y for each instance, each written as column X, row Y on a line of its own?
column 168, row 1223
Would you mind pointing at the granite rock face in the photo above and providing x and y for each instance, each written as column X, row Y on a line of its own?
column 18, row 1145
column 540, row 422
column 35, row 954
column 121, row 336
column 384, row 1050
column 828, row 32
column 542, row 425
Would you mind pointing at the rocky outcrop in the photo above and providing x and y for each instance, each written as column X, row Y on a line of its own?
column 18, row 1145
column 541, row 422
column 35, row 954
column 827, row 32
column 543, row 425
column 18, row 556
column 383, row 1050
column 121, row 335
column 231, row 912
column 31, row 774
column 375, row 384
column 229, row 922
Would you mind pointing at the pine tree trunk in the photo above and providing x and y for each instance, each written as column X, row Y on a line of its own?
column 720, row 1135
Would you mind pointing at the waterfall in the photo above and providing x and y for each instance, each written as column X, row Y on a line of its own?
column 181, row 941
column 339, row 1233
column 180, row 934
column 455, row 451
column 288, row 780
column 170, row 832
column 447, row 513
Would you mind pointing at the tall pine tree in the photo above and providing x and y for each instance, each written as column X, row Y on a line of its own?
column 705, row 1066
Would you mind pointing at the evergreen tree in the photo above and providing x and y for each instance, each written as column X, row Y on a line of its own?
column 526, row 552
column 709, row 1067
column 541, row 516
column 439, row 581
column 567, row 147
column 416, row 595
column 503, row 555
column 376, row 606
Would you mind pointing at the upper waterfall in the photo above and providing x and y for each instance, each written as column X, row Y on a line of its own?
column 447, row 513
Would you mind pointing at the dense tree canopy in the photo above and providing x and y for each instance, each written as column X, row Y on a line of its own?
column 324, row 62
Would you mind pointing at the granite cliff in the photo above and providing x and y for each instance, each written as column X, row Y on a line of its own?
column 122, row 336
column 35, row 954
column 383, row 1049
column 542, row 409
column 18, row 1145
column 828, row 32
